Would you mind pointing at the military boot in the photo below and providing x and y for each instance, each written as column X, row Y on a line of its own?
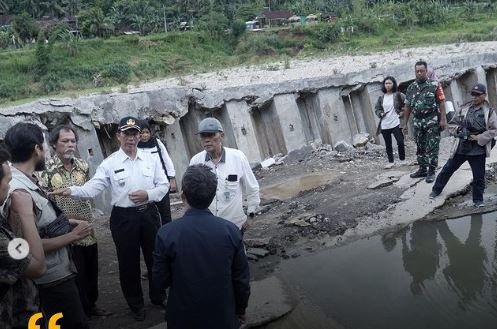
column 420, row 173
column 430, row 177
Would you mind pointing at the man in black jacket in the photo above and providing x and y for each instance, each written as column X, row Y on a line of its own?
column 202, row 259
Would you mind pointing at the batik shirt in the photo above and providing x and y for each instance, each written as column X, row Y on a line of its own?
column 18, row 295
column 56, row 176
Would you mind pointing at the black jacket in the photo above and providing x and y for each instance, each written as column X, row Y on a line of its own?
column 202, row 259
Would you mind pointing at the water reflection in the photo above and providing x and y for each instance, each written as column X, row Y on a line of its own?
column 465, row 273
column 428, row 275
column 421, row 258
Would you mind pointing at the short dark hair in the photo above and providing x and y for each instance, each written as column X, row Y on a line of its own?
column 199, row 185
column 394, row 88
column 4, row 157
column 144, row 124
column 21, row 140
column 421, row 63
column 55, row 134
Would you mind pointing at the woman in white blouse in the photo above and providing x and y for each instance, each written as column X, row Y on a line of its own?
column 388, row 108
column 155, row 146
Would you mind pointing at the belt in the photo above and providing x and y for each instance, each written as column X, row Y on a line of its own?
column 140, row 208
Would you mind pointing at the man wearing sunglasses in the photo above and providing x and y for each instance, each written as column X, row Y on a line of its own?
column 474, row 125
column 234, row 175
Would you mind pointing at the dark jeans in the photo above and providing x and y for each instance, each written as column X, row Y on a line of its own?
column 63, row 298
column 477, row 163
column 133, row 230
column 164, row 207
column 399, row 137
column 86, row 261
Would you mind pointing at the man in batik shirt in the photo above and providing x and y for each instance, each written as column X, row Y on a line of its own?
column 65, row 170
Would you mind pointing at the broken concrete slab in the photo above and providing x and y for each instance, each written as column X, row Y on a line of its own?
column 381, row 183
column 360, row 139
column 391, row 174
column 300, row 154
column 259, row 252
column 343, row 146
column 268, row 163
column 256, row 242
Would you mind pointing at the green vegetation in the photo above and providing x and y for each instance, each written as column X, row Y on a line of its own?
column 67, row 64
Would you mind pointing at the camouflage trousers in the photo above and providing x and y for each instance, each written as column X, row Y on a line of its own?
column 427, row 137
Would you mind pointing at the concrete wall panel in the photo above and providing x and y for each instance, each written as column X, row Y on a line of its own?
column 334, row 116
column 290, row 121
column 176, row 146
column 243, row 129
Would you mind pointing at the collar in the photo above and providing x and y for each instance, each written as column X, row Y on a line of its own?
column 123, row 156
column 198, row 212
column 223, row 156
column 29, row 182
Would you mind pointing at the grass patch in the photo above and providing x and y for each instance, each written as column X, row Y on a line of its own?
column 126, row 60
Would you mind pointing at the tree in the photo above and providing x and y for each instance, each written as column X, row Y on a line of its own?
column 24, row 25
column 52, row 8
column 93, row 22
column 42, row 56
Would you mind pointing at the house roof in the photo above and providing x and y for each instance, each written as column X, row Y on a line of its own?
column 277, row 14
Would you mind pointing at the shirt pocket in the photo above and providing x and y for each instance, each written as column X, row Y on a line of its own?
column 121, row 178
column 230, row 189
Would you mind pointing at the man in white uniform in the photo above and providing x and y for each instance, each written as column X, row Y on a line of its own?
column 234, row 175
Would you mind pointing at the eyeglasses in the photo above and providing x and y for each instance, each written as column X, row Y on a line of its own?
column 207, row 135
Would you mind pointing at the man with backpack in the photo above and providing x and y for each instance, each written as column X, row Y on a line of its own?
column 474, row 125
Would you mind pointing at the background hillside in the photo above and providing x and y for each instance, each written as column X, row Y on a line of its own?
column 67, row 46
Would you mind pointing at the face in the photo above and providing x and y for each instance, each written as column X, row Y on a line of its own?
column 129, row 139
column 145, row 135
column 66, row 144
column 212, row 141
column 477, row 98
column 4, row 182
column 420, row 71
column 40, row 164
column 388, row 85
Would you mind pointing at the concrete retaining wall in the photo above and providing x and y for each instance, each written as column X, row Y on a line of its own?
column 261, row 120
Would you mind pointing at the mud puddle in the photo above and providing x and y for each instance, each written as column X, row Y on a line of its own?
column 428, row 275
column 291, row 187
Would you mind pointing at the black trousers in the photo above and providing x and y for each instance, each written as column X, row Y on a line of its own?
column 164, row 207
column 86, row 260
column 63, row 298
column 399, row 137
column 133, row 229
column 477, row 163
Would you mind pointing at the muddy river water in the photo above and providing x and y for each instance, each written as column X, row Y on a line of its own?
column 429, row 275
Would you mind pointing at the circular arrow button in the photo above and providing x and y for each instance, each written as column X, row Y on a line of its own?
column 18, row 248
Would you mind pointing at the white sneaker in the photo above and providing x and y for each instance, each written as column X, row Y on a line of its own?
column 402, row 163
column 388, row 165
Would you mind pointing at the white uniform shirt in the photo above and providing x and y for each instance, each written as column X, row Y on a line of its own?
column 165, row 156
column 233, row 174
column 125, row 175
column 391, row 118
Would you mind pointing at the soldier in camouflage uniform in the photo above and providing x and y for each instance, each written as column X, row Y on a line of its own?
column 425, row 100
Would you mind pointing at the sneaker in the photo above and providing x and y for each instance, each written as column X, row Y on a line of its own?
column 97, row 311
column 420, row 173
column 388, row 165
column 479, row 204
column 402, row 163
column 430, row 176
column 433, row 195
column 139, row 315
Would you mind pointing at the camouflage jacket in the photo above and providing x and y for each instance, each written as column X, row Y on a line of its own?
column 56, row 176
column 422, row 98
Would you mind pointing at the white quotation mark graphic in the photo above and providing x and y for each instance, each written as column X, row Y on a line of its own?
column 18, row 248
